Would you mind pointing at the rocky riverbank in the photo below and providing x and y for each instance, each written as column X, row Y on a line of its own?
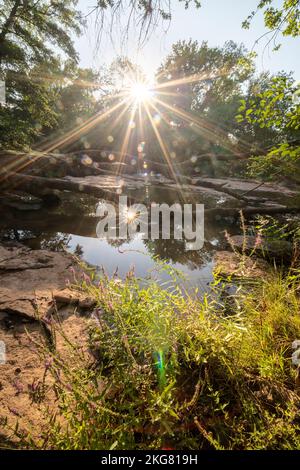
column 33, row 290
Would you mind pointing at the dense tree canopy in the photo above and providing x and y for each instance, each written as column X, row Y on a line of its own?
column 32, row 36
column 31, row 32
column 277, row 107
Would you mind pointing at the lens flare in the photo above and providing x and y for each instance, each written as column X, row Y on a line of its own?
column 131, row 215
column 140, row 92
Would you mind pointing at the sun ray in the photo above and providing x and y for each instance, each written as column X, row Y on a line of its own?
column 90, row 123
column 141, row 123
column 191, row 79
column 70, row 136
column 162, row 145
column 120, row 116
column 139, row 94
column 165, row 151
column 38, row 76
column 159, row 113
column 207, row 130
column 46, row 144
column 167, row 93
column 125, row 143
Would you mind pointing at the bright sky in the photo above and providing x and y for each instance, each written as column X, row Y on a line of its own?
column 216, row 22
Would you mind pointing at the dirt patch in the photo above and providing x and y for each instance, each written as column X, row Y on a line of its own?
column 230, row 264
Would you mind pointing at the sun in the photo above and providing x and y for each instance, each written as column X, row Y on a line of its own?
column 140, row 92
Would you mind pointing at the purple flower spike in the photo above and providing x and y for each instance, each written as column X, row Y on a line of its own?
column 18, row 386
column 14, row 411
column 48, row 363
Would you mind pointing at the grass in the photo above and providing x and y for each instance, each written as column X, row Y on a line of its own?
column 171, row 371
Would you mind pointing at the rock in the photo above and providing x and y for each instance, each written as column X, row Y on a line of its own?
column 277, row 249
column 256, row 187
column 15, row 304
column 21, row 203
column 27, row 294
column 87, row 303
column 11, row 249
column 232, row 264
column 66, row 297
column 70, row 297
column 21, row 260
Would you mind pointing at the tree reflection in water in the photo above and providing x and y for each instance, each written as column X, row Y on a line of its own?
column 53, row 229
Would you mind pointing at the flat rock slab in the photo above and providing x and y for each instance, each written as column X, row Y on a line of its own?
column 241, row 186
column 23, row 305
column 256, row 189
column 71, row 297
column 229, row 264
column 107, row 182
column 11, row 250
column 27, row 278
column 25, row 271
column 25, row 261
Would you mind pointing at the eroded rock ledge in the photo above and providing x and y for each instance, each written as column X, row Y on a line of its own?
column 32, row 289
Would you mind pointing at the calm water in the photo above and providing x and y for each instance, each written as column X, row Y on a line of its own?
column 72, row 225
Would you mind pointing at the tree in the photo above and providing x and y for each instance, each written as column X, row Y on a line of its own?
column 147, row 14
column 29, row 29
column 203, row 96
column 276, row 108
column 284, row 19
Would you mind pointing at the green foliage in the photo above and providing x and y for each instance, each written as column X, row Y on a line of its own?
column 221, row 71
column 276, row 108
column 30, row 106
column 162, row 359
column 32, row 34
column 206, row 83
column 285, row 18
column 29, row 30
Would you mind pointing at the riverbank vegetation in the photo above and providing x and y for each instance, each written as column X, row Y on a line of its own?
column 171, row 370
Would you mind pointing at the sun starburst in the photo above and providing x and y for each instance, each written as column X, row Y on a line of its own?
column 140, row 92
column 144, row 104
